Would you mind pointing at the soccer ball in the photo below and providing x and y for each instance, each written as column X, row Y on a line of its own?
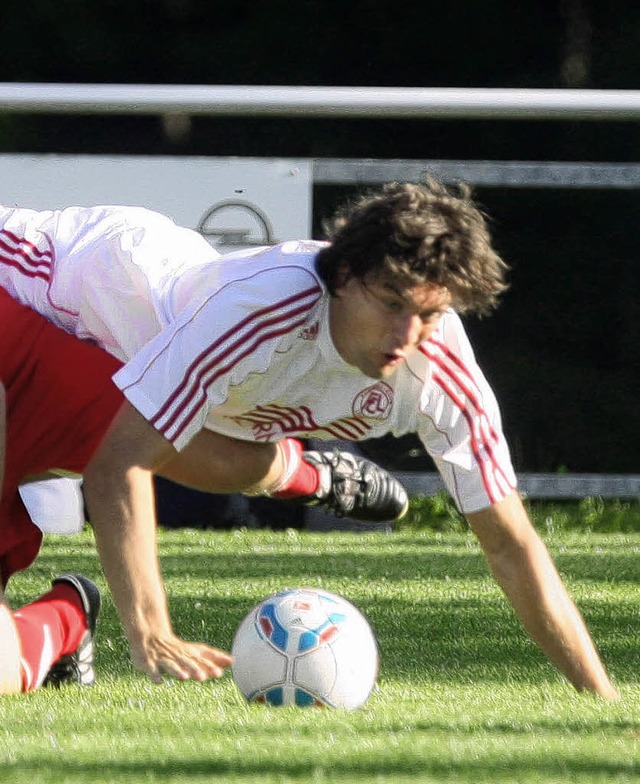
column 305, row 646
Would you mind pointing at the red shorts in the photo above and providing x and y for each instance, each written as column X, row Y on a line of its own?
column 60, row 401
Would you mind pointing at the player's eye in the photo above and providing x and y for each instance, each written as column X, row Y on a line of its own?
column 429, row 318
column 393, row 305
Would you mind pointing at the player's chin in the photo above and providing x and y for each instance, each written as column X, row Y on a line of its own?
column 379, row 368
column 388, row 369
column 379, row 373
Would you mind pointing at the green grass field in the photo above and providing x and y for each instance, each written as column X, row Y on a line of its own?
column 463, row 695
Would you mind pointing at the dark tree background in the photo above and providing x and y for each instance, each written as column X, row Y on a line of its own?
column 563, row 352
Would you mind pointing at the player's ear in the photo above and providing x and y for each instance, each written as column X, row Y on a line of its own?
column 343, row 275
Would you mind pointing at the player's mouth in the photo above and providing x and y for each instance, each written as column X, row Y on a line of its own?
column 393, row 359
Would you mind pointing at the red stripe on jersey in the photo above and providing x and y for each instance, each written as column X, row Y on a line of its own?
column 481, row 456
column 245, row 337
column 472, row 391
column 458, row 383
column 198, row 392
column 290, row 420
column 24, row 256
column 468, row 400
column 347, row 429
column 300, row 420
column 210, row 372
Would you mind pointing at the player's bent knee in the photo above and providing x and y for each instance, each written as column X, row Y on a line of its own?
column 10, row 681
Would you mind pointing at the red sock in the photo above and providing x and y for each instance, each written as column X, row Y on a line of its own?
column 48, row 628
column 299, row 478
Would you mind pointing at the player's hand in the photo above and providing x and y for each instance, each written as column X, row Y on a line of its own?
column 169, row 656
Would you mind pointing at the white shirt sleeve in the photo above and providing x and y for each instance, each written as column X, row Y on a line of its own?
column 188, row 368
column 461, row 428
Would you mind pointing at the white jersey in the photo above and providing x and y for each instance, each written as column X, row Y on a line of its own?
column 241, row 343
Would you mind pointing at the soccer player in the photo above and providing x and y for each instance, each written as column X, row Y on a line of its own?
column 56, row 401
column 227, row 360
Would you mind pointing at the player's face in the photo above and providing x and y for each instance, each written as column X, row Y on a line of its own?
column 376, row 323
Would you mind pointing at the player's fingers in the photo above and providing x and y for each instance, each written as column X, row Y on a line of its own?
column 197, row 662
column 159, row 660
column 215, row 656
column 170, row 668
column 150, row 668
column 176, row 658
column 210, row 662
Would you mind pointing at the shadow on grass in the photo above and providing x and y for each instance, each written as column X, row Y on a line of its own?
column 497, row 769
column 305, row 565
column 395, row 557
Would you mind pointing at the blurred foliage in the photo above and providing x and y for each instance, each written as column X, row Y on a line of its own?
column 592, row 514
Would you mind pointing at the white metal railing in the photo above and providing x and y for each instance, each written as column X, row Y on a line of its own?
column 511, row 174
column 287, row 101
column 541, row 486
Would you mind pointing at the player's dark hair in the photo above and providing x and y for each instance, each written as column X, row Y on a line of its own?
column 419, row 233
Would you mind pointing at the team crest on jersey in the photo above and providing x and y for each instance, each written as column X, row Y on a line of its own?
column 310, row 332
column 374, row 402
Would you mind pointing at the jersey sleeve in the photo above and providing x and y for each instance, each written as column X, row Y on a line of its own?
column 189, row 367
column 460, row 425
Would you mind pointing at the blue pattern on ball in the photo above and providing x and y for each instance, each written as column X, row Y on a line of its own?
column 271, row 627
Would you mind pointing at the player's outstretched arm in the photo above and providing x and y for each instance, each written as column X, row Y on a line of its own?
column 118, row 485
column 521, row 564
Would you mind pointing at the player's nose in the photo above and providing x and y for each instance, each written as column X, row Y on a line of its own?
column 407, row 330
